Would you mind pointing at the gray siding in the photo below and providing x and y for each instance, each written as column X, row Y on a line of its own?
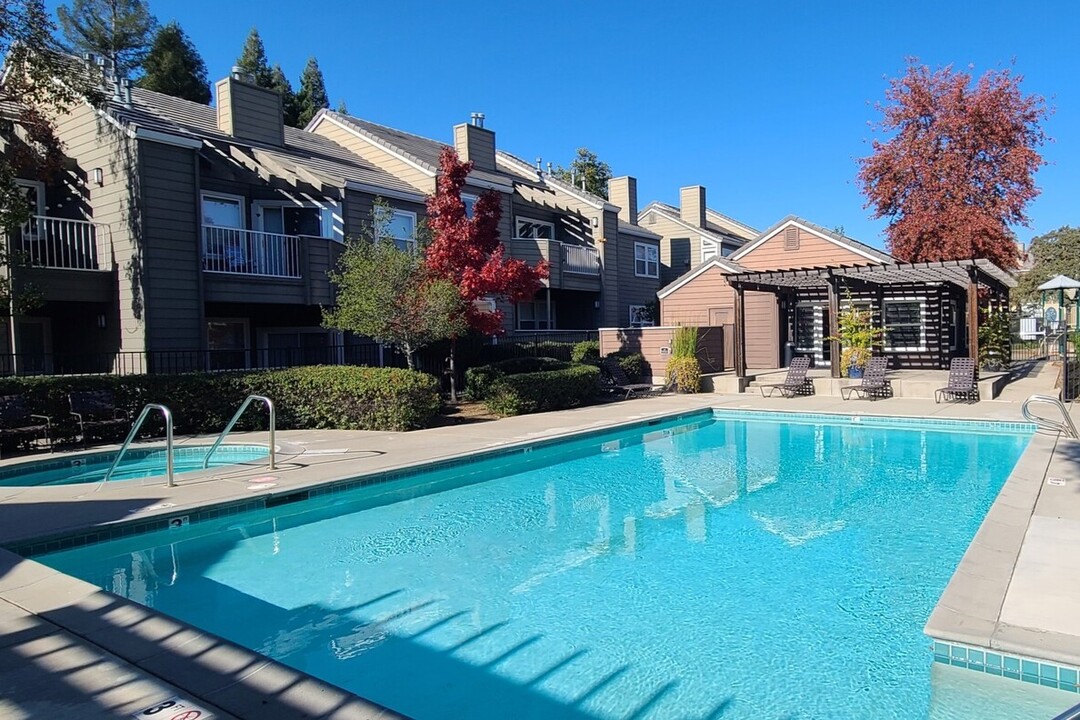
column 634, row 290
column 169, row 257
column 92, row 142
column 249, row 112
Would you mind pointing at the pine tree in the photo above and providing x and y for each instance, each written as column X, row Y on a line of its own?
column 252, row 60
column 118, row 30
column 312, row 96
column 586, row 170
column 174, row 66
column 279, row 82
column 342, row 107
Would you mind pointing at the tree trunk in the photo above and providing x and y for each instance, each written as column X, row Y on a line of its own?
column 453, row 371
column 407, row 348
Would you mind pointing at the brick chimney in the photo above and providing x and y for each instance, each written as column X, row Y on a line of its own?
column 692, row 205
column 473, row 142
column 622, row 192
column 245, row 110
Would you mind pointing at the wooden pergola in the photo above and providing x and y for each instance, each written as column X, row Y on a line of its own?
column 968, row 275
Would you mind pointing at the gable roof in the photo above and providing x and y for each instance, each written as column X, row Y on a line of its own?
column 736, row 228
column 670, row 212
column 420, row 152
column 197, row 123
column 524, row 171
column 725, row 264
column 843, row 241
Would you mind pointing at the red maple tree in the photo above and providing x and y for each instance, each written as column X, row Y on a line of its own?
column 467, row 252
column 959, row 167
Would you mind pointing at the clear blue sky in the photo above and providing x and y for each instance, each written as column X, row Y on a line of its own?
column 764, row 103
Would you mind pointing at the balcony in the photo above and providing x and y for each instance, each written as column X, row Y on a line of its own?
column 58, row 243
column 572, row 267
column 251, row 252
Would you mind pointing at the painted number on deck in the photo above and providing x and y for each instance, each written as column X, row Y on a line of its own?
column 174, row 708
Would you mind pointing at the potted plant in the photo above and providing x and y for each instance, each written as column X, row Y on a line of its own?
column 857, row 336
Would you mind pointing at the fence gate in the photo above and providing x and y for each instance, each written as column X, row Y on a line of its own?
column 1070, row 368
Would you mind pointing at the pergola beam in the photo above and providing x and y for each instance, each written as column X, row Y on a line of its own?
column 740, row 332
column 834, row 328
column 973, row 313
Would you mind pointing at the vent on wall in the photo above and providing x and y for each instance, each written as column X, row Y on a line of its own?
column 791, row 238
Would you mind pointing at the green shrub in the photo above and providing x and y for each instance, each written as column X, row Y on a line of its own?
column 686, row 372
column 685, row 341
column 586, row 351
column 338, row 397
column 541, row 391
column 478, row 380
column 633, row 364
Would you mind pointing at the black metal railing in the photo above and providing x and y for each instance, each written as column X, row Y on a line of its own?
column 470, row 351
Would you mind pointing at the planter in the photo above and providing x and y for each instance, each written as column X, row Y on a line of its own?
column 854, row 372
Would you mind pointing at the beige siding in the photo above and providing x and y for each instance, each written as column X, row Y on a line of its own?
column 814, row 251
column 91, row 142
column 170, row 258
column 680, row 249
column 392, row 164
column 249, row 112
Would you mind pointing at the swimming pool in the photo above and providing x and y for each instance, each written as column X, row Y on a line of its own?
column 137, row 463
column 727, row 567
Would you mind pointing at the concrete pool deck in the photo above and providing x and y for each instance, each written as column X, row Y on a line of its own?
column 1015, row 589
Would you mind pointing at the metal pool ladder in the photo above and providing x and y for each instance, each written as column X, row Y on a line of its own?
column 228, row 428
column 167, row 414
column 1066, row 426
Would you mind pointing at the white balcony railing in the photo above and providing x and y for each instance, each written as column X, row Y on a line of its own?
column 580, row 259
column 250, row 252
column 59, row 243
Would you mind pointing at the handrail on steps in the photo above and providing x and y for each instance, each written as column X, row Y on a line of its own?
column 228, row 428
column 1066, row 427
column 167, row 414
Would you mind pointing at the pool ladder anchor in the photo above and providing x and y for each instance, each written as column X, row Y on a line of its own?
column 1065, row 426
column 147, row 409
column 228, row 428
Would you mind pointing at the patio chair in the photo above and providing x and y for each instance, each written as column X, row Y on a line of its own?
column 962, row 384
column 96, row 412
column 621, row 381
column 16, row 421
column 796, row 382
column 874, row 383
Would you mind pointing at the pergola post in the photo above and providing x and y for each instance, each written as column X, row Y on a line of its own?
column 973, row 312
column 834, row 328
column 740, row 332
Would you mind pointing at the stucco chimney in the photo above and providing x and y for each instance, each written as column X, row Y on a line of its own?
column 622, row 192
column 692, row 205
column 245, row 110
column 476, row 143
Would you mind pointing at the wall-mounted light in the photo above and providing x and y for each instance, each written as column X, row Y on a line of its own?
column 99, row 176
column 596, row 222
column 101, row 321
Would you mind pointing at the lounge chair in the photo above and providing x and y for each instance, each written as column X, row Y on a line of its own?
column 96, row 412
column 621, row 382
column 16, row 421
column 796, row 382
column 874, row 383
column 962, row 383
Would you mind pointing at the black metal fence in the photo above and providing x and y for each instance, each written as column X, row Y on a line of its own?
column 1030, row 339
column 470, row 351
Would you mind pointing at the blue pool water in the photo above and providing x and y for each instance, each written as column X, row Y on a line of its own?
column 136, row 463
column 711, row 569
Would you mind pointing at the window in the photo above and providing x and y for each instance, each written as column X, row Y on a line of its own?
column 470, row 204
column 225, row 248
column 538, row 229
column 223, row 211
column 534, row 316
column 646, row 260
column 905, row 325
column 640, row 316
column 399, row 226
column 296, row 220
column 227, row 342
column 807, row 327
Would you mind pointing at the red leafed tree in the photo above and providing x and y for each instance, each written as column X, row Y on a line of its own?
column 959, row 166
column 467, row 252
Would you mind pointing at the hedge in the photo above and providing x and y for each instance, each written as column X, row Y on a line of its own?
column 541, row 391
column 478, row 380
column 586, row 351
column 633, row 364
column 332, row 397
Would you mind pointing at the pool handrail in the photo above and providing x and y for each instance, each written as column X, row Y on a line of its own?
column 167, row 414
column 228, row 428
column 1065, row 426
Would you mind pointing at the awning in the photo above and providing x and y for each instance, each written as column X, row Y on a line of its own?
column 957, row 272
